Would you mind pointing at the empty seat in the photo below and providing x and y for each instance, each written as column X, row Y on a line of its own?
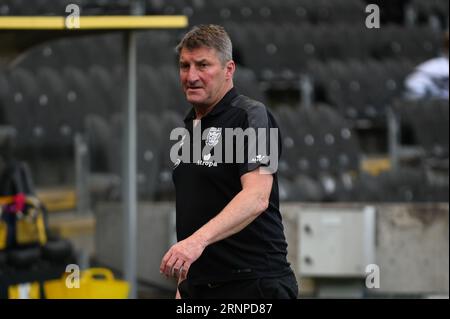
column 429, row 122
column 246, row 82
column 165, row 189
column 20, row 108
column 77, row 95
column 105, row 84
column 151, row 98
column 98, row 138
column 156, row 48
column 4, row 92
column 148, row 154
column 169, row 83
column 52, row 115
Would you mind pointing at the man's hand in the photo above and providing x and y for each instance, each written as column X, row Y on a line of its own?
column 177, row 261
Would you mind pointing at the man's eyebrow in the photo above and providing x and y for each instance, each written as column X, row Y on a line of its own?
column 195, row 61
column 204, row 60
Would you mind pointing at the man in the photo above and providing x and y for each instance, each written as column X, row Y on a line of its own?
column 430, row 78
column 230, row 235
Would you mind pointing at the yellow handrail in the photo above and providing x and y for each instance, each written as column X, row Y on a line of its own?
column 92, row 22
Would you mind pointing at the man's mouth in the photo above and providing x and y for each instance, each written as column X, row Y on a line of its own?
column 193, row 88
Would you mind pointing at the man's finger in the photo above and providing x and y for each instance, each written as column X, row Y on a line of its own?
column 177, row 268
column 184, row 271
column 169, row 265
column 164, row 261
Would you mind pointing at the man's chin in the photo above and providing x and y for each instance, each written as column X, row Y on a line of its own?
column 194, row 99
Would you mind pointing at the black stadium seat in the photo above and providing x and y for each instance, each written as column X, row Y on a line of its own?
column 165, row 189
column 4, row 92
column 20, row 108
column 151, row 98
column 420, row 116
column 246, row 82
column 169, row 82
column 320, row 153
column 148, row 153
column 285, row 118
column 98, row 138
column 51, row 114
column 104, row 82
column 76, row 96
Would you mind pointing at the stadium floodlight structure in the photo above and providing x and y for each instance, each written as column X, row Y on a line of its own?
column 18, row 33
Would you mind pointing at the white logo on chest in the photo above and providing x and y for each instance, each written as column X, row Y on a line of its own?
column 213, row 136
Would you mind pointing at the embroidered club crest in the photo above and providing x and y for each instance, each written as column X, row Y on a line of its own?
column 213, row 136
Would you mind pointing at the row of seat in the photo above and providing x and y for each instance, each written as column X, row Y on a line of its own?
column 425, row 10
column 299, row 11
column 316, row 141
column 271, row 47
column 204, row 11
column 360, row 90
column 429, row 121
column 396, row 186
column 260, row 46
column 48, row 106
column 58, row 7
column 274, row 51
column 320, row 161
column 153, row 154
column 405, row 184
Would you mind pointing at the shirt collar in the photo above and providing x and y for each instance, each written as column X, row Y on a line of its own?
column 223, row 104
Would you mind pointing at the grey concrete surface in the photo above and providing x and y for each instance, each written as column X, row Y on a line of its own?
column 411, row 246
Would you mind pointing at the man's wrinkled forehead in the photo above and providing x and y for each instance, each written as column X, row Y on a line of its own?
column 198, row 54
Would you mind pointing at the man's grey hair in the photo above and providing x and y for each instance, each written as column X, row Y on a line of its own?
column 210, row 36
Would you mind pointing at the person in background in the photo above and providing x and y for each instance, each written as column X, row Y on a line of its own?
column 430, row 79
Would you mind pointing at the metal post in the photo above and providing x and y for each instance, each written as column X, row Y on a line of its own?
column 410, row 16
column 306, row 90
column 393, row 138
column 82, row 174
column 129, row 158
column 129, row 168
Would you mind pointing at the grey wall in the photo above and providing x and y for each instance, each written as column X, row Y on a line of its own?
column 156, row 229
column 411, row 244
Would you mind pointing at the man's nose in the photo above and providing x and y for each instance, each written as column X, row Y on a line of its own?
column 192, row 75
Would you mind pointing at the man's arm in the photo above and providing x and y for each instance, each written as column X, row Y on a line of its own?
column 251, row 201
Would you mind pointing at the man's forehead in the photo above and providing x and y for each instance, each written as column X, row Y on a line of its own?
column 198, row 54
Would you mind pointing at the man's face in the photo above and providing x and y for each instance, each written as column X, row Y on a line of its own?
column 203, row 77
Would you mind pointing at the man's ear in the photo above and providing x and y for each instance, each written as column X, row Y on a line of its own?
column 230, row 68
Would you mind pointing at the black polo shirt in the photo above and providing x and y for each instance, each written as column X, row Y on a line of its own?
column 204, row 189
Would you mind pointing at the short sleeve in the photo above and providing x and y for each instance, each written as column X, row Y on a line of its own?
column 261, row 142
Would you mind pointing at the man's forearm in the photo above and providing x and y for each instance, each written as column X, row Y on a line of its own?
column 239, row 212
column 251, row 201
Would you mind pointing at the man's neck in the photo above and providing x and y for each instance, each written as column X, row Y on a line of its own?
column 201, row 111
